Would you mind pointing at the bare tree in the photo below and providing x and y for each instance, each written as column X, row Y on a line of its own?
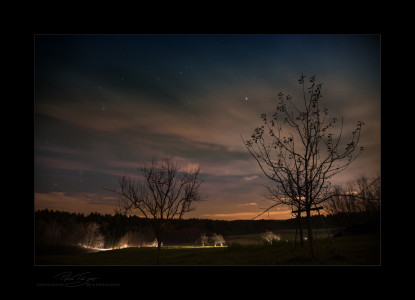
column 53, row 234
column 368, row 191
column 93, row 237
column 300, row 149
column 357, row 201
column 270, row 237
column 161, row 194
column 217, row 239
column 204, row 239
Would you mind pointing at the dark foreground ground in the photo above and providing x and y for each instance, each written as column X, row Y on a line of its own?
column 351, row 250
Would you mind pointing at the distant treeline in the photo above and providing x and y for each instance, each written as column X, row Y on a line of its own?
column 56, row 228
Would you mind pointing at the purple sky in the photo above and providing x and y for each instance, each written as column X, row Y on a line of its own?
column 104, row 104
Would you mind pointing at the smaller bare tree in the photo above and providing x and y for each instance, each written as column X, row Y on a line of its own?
column 153, row 244
column 161, row 194
column 357, row 201
column 204, row 239
column 93, row 236
column 218, row 239
column 53, row 234
column 270, row 237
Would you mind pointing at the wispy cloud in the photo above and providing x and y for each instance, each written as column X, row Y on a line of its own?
column 249, row 178
column 282, row 214
column 248, row 204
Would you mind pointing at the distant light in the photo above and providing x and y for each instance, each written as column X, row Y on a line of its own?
column 102, row 249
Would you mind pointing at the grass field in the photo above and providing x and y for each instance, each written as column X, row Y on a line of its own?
column 285, row 235
column 243, row 250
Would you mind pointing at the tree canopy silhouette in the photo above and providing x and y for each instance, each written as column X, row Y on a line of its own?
column 300, row 148
column 160, row 194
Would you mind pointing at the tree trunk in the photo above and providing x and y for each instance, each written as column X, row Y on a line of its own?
column 158, row 233
column 301, row 228
column 310, row 232
column 295, row 240
column 158, row 250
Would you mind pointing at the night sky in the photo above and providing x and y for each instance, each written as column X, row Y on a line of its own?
column 104, row 104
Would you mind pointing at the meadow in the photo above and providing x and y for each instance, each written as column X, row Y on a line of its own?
column 240, row 250
column 284, row 234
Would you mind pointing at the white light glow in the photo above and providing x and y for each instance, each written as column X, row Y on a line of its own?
column 102, row 249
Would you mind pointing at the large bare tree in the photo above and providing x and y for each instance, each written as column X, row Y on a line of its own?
column 358, row 201
column 300, row 148
column 161, row 193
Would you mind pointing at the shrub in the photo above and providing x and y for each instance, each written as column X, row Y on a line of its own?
column 270, row 237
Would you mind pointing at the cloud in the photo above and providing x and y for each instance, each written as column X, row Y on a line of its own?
column 248, row 204
column 249, row 178
column 279, row 215
column 189, row 167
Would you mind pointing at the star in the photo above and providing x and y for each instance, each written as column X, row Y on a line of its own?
column 246, row 99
